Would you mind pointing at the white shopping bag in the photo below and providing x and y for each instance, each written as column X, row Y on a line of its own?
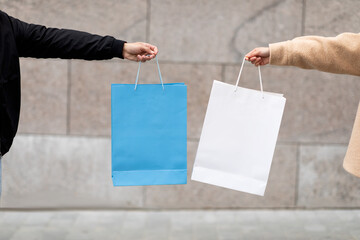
column 238, row 138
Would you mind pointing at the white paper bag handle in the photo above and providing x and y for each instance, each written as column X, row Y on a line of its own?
column 238, row 79
column 138, row 72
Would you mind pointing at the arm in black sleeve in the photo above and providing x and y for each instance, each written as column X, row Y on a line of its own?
column 41, row 42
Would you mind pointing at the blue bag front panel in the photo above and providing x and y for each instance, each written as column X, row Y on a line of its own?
column 149, row 134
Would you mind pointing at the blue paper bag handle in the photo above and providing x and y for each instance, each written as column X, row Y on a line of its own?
column 137, row 76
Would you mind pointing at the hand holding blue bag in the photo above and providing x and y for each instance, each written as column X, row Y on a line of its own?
column 148, row 133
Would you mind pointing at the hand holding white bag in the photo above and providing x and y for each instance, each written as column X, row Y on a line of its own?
column 238, row 138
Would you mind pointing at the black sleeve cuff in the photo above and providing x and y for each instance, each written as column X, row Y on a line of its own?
column 117, row 48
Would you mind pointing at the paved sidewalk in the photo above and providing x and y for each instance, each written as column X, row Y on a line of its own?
column 157, row 225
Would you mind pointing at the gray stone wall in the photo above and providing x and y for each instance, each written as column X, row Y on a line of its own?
column 61, row 155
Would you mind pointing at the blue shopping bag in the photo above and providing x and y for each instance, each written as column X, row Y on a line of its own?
column 148, row 133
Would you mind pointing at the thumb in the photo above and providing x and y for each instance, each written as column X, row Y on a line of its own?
column 253, row 53
column 146, row 49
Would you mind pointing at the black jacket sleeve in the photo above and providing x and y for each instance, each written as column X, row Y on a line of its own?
column 41, row 42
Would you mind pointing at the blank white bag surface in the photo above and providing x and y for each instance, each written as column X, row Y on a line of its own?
column 238, row 138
